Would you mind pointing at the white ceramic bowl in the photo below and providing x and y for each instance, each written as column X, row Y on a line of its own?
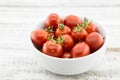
column 74, row 65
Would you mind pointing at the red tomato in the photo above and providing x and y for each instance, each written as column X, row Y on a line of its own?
column 95, row 41
column 68, row 42
column 80, row 49
column 72, row 21
column 67, row 55
column 53, row 20
column 79, row 35
column 52, row 49
column 62, row 29
column 91, row 28
column 39, row 37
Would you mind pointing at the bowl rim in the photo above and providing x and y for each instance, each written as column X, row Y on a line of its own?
column 78, row 58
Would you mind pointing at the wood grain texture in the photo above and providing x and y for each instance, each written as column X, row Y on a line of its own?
column 20, row 61
column 21, row 66
column 57, row 3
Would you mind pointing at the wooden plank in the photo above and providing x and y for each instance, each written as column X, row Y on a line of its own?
column 15, row 63
column 34, row 15
column 56, row 3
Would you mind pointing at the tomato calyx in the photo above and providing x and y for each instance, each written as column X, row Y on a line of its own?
column 61, row 26
column 60, row 40
column 50, row 37
column 49, row 29
column 78, row 28
column 86, row 23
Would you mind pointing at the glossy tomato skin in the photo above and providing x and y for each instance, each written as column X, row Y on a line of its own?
column 79, row 35
column 52, row 49
column 39, row 37
column 91, row 28
column 67, row 55
column 53, row 20
column 68, row 42
column 80, row 49
column 72, row 21
column 66, row 30
column 95, row 41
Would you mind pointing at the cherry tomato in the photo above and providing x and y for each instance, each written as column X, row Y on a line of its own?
column 67, row 55
column 79, row 35
column 80, row 49
column 39, row 37
column 62, row 29
column 68, row 42
column 72, row 21
column 95, row 41
column 53, row 20
column 52, row 49
column 91, row 28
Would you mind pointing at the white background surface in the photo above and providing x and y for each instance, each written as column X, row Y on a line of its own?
column 18, row 59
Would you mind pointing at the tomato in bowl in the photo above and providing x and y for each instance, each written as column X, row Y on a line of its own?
column 67, row 55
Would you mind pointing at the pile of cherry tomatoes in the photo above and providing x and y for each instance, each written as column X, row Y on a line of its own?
column 68, row 38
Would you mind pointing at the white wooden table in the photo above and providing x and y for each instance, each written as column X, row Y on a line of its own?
column 18, row 59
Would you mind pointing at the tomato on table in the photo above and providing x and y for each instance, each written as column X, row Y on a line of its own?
column 39, row 37
column 72, row 21
column 62, row 29
column 95, row 41
column 80, row 49
column 52, row 49
column 53, row 20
